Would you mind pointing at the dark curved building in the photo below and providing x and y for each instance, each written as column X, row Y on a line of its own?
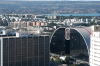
column 71, row 41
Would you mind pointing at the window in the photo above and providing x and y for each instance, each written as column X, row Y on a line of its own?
column 96, row 28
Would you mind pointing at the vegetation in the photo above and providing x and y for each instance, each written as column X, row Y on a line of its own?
column 98, row 17
column 68, row 61
column 52, row 59
column 48, row 30
column 92, row 23
column 55, row 56
column 5, row 24
column 25, row 29
column 82, row 64
column 60, row 24
column 50, row 55
column 72, row 17
column 52, row 24
column 45, row 7
column 82, row 56
column 0, row 18
column 89, row 24
column 58, row 61
column 13, row 19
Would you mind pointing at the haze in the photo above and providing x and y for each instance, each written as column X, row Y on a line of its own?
column 50, row 0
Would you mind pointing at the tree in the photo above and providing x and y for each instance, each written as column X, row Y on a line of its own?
column 82, row 64
column 81, row 56
column 74, row 65
column 71, row 17
column 52, row 59
column 13, row 19
column 67, row 59
column 58, row 61
column 52, row 24
column 25, row 29
column 0, row 18
column 92, row 23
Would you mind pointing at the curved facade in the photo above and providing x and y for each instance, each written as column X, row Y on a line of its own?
column 58, row 39
column 71, row 41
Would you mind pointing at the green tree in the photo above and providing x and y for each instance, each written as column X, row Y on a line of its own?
column 13, row 19
column 52, row 24
column 58, row 61
column 67, row 59
column 25, row 29
column 74, row 65
column 0, row 18
column 52, row 59
column 81, row 56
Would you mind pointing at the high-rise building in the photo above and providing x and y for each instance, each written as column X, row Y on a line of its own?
column 71, row 41
column 24, row 51
column 94, row 59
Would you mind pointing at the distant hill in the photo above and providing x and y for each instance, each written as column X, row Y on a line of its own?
column 51, row 5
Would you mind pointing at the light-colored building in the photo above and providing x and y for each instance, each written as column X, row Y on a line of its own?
column 18, row 24
column 51, row 17
column 94, row 59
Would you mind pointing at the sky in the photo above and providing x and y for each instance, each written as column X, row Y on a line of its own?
column 50, row 0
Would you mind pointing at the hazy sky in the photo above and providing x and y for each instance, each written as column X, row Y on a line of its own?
column 50, row 0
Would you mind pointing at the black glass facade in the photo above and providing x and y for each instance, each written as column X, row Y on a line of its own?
column 5, row 52
column 57, row 44
column 74, row 46
column 47, row 49
column 26, row 51
column 77, row 43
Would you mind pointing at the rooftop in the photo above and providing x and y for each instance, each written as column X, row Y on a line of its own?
column 20, row 37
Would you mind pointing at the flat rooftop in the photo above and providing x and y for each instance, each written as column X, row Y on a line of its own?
column 20, row 37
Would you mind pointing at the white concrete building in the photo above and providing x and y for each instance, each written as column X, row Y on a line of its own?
column 94, row 59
